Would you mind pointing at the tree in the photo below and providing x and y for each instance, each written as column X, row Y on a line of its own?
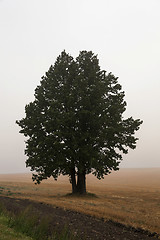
column 75, row 124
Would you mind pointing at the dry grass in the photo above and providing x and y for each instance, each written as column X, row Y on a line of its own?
column 130, row 196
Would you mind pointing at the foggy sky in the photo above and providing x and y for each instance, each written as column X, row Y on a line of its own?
column 125, row 35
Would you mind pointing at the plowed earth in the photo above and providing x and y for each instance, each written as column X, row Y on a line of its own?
column 86, row 227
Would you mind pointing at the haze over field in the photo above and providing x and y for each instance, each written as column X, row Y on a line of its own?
column 124, row 34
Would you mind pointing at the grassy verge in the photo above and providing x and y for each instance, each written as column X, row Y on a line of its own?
column 7, row 233
column 28, row 226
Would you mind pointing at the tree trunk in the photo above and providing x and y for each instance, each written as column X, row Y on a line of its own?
column 73, row 180
column 81, row 183
column 80, row 186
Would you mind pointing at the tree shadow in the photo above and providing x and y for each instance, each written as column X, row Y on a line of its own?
column 87, row 195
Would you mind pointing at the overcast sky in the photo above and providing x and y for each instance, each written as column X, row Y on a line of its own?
column 124, row 33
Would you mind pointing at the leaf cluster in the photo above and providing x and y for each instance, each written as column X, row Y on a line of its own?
column 76, row 120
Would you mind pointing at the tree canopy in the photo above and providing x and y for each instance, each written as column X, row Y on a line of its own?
column 75, row 125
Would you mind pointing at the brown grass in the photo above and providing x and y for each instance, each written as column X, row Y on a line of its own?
column 129, row 196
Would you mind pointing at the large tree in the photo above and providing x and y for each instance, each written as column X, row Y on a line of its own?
column 75, row 125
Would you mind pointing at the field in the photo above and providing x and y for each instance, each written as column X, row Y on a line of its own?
column 129, row 196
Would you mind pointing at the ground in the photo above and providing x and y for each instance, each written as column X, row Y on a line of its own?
column 85, row 226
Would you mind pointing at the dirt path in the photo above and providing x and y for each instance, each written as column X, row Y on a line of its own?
column 85, row 226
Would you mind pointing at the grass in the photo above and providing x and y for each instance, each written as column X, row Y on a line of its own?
column 131, row 197
column 87, row 195
column 28, row 226
column 7, row 233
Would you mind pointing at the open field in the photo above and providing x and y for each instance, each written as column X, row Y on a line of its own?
column 129, row 196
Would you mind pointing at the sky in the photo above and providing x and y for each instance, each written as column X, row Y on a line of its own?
column 125, row 35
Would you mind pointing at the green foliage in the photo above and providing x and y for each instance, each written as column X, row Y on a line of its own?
column 29, row 223
column 76, row 120
column 5, row 231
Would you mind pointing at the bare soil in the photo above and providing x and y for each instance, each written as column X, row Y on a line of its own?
column 84, row 226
